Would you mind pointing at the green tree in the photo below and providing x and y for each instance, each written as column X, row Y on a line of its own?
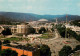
column 23, row 55
column 65, row 51
column 45, row 50
column 77, row 48
column 0, row 43
column 61, row 30
column 42, row 30
column 7, row 31
column 4, row 32
column 32, row 30
column 6, row 42
column 76, row 23
column 9, row 52
column 0, row 47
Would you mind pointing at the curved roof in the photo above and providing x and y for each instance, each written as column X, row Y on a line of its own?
column 43, row 20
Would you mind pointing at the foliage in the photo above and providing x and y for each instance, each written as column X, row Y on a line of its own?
column 28, row 45
column 52, row 29
column 0, row 43
column 76, row 23
column 13, row 39
column 74, row 34
column 6, row 42
column 77, row 48
column 7, row 31
column 0, row 47
column 8, row 52
column 32, row 30
column 45, row 50
column 65, row 51
column 46, row 35
column 42, row 30
column 61, row 29
column 23, row 55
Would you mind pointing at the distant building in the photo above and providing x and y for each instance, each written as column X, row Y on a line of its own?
column 43, row 21
column 1, row 29
column 22, row 28
column 73, row 28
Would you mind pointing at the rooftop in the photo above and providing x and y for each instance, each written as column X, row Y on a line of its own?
column 43, row 20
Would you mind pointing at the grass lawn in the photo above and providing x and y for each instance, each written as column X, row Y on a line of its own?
column 1, row 37
column 26, row 39
column 12, row 39
column 47, row 35
column 16, row 39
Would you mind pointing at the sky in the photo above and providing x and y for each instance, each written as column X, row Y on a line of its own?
column 52, row 7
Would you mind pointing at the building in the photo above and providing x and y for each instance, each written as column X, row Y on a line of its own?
column 41, row 23
column 34, row 52
column 1, row 29
column 24, row 28
column 21, row 29
column 73, row 28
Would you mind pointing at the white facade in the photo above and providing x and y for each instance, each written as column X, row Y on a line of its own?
column 73, row 28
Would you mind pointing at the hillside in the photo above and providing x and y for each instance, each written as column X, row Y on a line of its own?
column 13, row 16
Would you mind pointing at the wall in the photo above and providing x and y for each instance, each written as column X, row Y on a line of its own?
column 19, row 51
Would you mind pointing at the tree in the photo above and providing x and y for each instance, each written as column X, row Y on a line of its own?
column 0, row 43
column 32, row 30
column 0, row 47
column 6, row 42
column 78, row 38
column 61, row 30
column 65, row 51
column 7, row 31
column 23, row 55
column 4, row 32
column 76, row 23
column 77, row 48
column 9, row 52
column 28, row 45
column 45, row 50
column 42, row 30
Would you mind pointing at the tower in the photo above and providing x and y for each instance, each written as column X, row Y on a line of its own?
column 56, row 21
column 66, row 28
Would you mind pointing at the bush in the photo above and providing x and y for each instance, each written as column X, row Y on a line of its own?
column 7, row 31
column 65, row 51
column 0, row 47
column 42, row 30
column 77, row 48
column 45, row 50
column 70, row 33
column 9, row 52
column 0, row 43
column 23, row 55
column 6, row 42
